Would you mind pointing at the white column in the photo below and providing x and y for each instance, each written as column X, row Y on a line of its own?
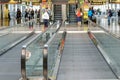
column 0, row 11
column 64, row 12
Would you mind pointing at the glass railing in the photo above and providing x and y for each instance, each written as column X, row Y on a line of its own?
column 112, row 28
column 109, row 45
column 11, row 36
column 32, row 53
column 52, row 55
column 26, row 26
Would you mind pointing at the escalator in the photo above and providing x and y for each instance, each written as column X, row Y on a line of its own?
column 82, row 60
column 72, row 15
column 57, row 12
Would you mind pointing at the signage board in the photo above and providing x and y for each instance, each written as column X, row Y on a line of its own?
column 25, row 0
column 35, row 0
column 96, row 3
column 71, row 1
column 85, row 10
column 114, row 1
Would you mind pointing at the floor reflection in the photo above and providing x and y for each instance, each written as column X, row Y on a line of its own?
column 4, row 22
column 12, row 22
column 7, row 22
column 114, row 27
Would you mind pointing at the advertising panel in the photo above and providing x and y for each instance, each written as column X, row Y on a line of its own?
column 71, row 1
column 85, row 11
column 97, row 2
column 114, row 1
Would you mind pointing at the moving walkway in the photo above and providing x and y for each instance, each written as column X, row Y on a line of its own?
column 32, row 54
column 92, row 56
column 68, row 56
column 10, row 58
column 11, row 40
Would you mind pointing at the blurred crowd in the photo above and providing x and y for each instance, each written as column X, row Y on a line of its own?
column 27, row 14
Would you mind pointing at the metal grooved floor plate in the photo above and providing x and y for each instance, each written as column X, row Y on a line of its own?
column 82, row 61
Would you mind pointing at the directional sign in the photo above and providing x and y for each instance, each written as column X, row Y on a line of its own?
column 97, row 2
column 35, row 3
column 114, row 1
column 71, row 1
column 35, row 0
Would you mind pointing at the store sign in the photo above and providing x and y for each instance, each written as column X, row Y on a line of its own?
column 35, row 3
column 35, row 0
column 114, row 1
column 31, row 0
column 27, row 0
column 96, row 2
column 71, row 1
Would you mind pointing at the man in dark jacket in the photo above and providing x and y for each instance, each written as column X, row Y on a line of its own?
column 119, row 17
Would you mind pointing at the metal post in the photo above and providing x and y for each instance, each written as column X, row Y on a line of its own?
column 45, row 63
column 23, row 64
column 1, row 7
column 108, row 5
column 115, row 15
column 58, row 24
column 1, row 12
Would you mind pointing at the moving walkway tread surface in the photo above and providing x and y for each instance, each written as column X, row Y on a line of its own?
column 81, row 60
column 10, row 62
column 10, row 38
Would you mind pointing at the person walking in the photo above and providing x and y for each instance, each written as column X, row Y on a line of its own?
column 79, row 16
column 45, row 18
column 9, row 18
column 109, row 16
column 90, row 14
column 32, row 14
column 119, row 17
column 18, row 16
